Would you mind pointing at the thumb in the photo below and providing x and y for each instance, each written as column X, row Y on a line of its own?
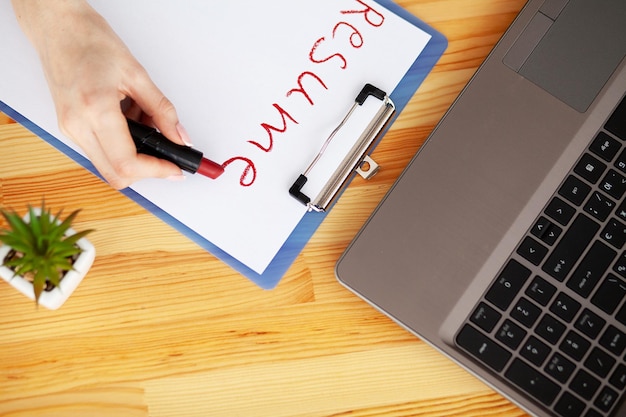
column 159, row 109
column 165, row 118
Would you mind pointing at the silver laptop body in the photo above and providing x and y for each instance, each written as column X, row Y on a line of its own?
column 439, row 241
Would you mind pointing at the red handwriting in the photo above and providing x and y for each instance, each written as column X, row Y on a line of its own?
column 249, row 167
column 269, row 129
column 301, row 90
column 367, row 12
column 343, row 34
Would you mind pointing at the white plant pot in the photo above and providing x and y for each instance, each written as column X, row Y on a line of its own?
column 56, row 297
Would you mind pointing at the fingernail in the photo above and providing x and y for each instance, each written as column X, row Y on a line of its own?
column 176, row 178
column 183, row 134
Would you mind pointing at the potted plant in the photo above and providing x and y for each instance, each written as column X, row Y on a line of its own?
column 42, row 256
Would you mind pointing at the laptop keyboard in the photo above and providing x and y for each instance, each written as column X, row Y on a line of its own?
column 559, row 335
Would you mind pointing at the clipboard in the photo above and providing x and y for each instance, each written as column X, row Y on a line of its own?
column 301, row 234
column 399, row 99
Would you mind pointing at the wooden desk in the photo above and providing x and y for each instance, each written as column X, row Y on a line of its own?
column 161, row 328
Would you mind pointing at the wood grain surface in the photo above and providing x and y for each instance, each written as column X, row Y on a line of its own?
column 161, row 328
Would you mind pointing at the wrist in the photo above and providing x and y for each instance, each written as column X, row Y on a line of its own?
column 40, row 18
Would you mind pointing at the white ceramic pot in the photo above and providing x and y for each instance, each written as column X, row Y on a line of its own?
column 56, row 297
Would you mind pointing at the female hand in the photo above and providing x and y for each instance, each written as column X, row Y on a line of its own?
column 90, row 72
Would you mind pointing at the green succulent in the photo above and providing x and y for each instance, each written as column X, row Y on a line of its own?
column 42, row 251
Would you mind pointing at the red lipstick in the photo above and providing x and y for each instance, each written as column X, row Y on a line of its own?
column 210, row 169
column 150, row 141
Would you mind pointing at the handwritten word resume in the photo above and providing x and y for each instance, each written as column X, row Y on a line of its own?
column 259, row 86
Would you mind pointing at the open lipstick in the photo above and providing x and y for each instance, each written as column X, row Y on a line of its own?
column 150, row 141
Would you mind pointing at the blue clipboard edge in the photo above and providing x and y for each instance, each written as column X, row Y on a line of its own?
column 300, row 236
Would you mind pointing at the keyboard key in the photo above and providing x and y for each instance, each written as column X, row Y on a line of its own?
column 617, row 122
column 569, row 406
column 532, row 251
column 540, row 290
column 614, row 340
column 560, row 211
column 621, row 315
column 508, row 284
column 546, row 231
column 599, row 362
column 614, row 233
column 621, row 211
column 559, row 367
column 525, row 312
column 620, row 265
column 550, row 329
column 618, row 379
column 614, row 184
column 591, row 269
column 535, row 351
column 610, row 294
column 593, row 413
column 532, row 382
column 568, row 251
column 590, row 168
column 584, row 384
column 574, row 345
column 483, row 348
column 606, row 399
column 510, row 334
column 565, row 307
column 574, row 190
column 605, row 146
column 485, row 317
column 590, row 323
column 620, row 162
column 599, row 206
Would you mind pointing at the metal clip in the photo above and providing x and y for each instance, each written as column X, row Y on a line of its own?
column 356, row 159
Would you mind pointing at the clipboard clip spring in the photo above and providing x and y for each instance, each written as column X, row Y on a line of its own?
column 356, row 159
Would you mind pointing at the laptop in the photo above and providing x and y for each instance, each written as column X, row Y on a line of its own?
column 502, row 244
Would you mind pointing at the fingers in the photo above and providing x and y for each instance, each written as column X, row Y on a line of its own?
column 123, row 164
column 160, row 111
column 108, row 143
column 110, row 148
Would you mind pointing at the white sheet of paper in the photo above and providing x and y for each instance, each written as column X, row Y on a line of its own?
column 227, row 66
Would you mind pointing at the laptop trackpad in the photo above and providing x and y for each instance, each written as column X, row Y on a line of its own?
column 576, row 54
